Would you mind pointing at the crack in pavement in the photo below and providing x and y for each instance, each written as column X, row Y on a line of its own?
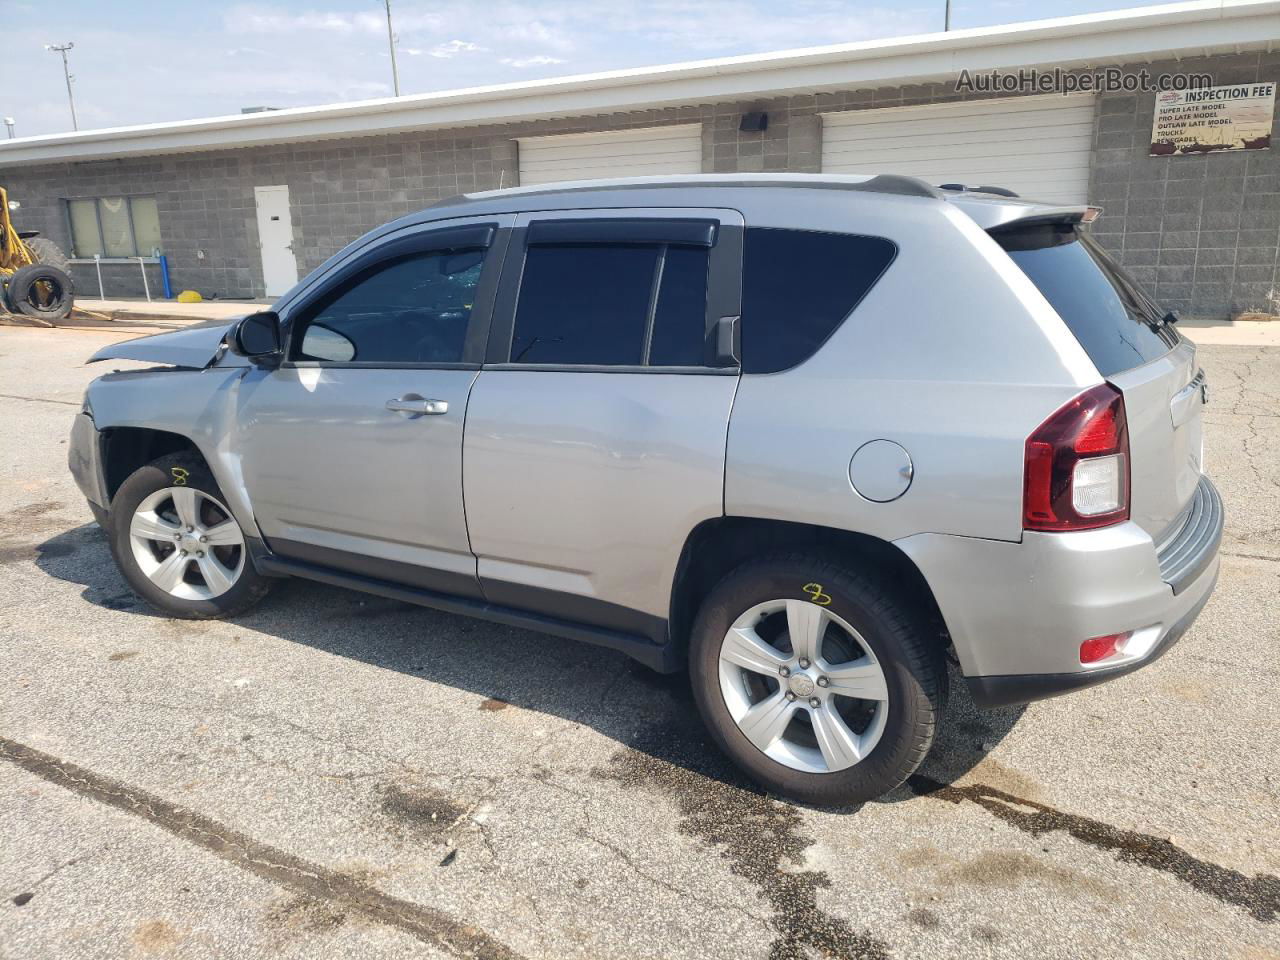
column 429, row 925
column 11, row 396
column 1258, row 895
column 1251, row 556
column 22, row 899
column 756, row 834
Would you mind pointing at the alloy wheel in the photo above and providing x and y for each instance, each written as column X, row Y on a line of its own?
column 803, row 686
column 187, row 543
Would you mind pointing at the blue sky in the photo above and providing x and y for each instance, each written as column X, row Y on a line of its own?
column 142, row 62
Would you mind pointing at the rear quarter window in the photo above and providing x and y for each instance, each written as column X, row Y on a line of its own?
column 1117, row 324
column 797, row 288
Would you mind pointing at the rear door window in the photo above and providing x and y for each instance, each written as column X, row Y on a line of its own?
column 612, row 304
column 1116, row 323
column 797, row 288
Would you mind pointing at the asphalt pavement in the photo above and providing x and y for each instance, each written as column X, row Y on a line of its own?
column 336, row 775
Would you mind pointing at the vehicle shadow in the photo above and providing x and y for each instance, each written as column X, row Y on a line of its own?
column 639, row 709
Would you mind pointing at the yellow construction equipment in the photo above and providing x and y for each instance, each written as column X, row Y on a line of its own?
column 35, row 278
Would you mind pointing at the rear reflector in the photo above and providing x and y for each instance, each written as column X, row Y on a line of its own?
column 1100, row 648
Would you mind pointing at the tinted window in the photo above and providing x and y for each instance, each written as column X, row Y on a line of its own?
column 1116, row 323
column 797, row 287
column 591, row 304
column 680, row 320
column 413, row 309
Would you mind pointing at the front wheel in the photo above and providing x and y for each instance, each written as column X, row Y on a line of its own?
column 178, row 545
column 823, row 683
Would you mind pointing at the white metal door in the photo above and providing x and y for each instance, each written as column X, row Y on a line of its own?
column 275, row 237
column 647, row 151
column 1037, row 147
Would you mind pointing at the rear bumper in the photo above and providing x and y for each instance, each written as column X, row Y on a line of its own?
column 1018, row 612
column 991, row 692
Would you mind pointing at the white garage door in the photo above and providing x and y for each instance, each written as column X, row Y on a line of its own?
column 620, row 153
column 1037, row 147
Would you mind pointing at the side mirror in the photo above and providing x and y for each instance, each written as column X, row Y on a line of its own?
column 257, row 337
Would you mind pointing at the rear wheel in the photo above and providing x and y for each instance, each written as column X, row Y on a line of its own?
column 821, row 682
column 40, row 291
column 178, row 545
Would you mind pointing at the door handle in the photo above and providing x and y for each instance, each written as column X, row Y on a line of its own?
column 416, row 406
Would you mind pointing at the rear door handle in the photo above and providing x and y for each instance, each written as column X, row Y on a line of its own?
column 416, row 406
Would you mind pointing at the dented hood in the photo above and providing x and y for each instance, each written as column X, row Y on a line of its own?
column 193, row 347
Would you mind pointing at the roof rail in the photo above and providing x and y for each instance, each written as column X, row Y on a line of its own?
column 877, row 183
column 962, row 188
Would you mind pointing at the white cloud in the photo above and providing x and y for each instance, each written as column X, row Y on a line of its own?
column 262, row 18
column 521, row 62
column 452, row 48
column 267, row 21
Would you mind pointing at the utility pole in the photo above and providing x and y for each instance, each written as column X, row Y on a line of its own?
column 946, row 18
column 391, row 43
column 62, row 48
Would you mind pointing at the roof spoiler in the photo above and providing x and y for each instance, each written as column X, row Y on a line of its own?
column 1004, row 216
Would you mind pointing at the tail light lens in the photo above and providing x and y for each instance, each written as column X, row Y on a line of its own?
column 1077, row 465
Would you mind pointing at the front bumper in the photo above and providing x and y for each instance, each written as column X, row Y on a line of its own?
column 84, row 457
column 1018, row 612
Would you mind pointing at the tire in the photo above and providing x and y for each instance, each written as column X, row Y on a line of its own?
column 870, row 627
column 182, row 585
column 45, row 251
column 40, row 291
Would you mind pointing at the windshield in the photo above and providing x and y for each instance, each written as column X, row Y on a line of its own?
column 1117, row 324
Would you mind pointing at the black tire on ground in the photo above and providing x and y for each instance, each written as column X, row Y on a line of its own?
column 160, row 474
column 40, row 291
column 49, row 253
column 899, row 634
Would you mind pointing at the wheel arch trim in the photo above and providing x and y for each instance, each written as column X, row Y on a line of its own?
column 729, row 537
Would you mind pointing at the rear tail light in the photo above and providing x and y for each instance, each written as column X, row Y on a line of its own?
column 1077, row 465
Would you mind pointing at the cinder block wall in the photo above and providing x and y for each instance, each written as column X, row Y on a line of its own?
column 1200, row 232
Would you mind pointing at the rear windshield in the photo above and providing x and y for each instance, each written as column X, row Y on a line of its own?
column 1116, row 323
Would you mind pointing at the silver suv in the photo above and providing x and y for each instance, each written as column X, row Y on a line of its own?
column 809, row 437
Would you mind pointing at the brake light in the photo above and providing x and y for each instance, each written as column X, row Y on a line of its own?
column 1077, row 465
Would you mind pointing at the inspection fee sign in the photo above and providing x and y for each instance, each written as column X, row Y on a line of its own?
column 1209, row 119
